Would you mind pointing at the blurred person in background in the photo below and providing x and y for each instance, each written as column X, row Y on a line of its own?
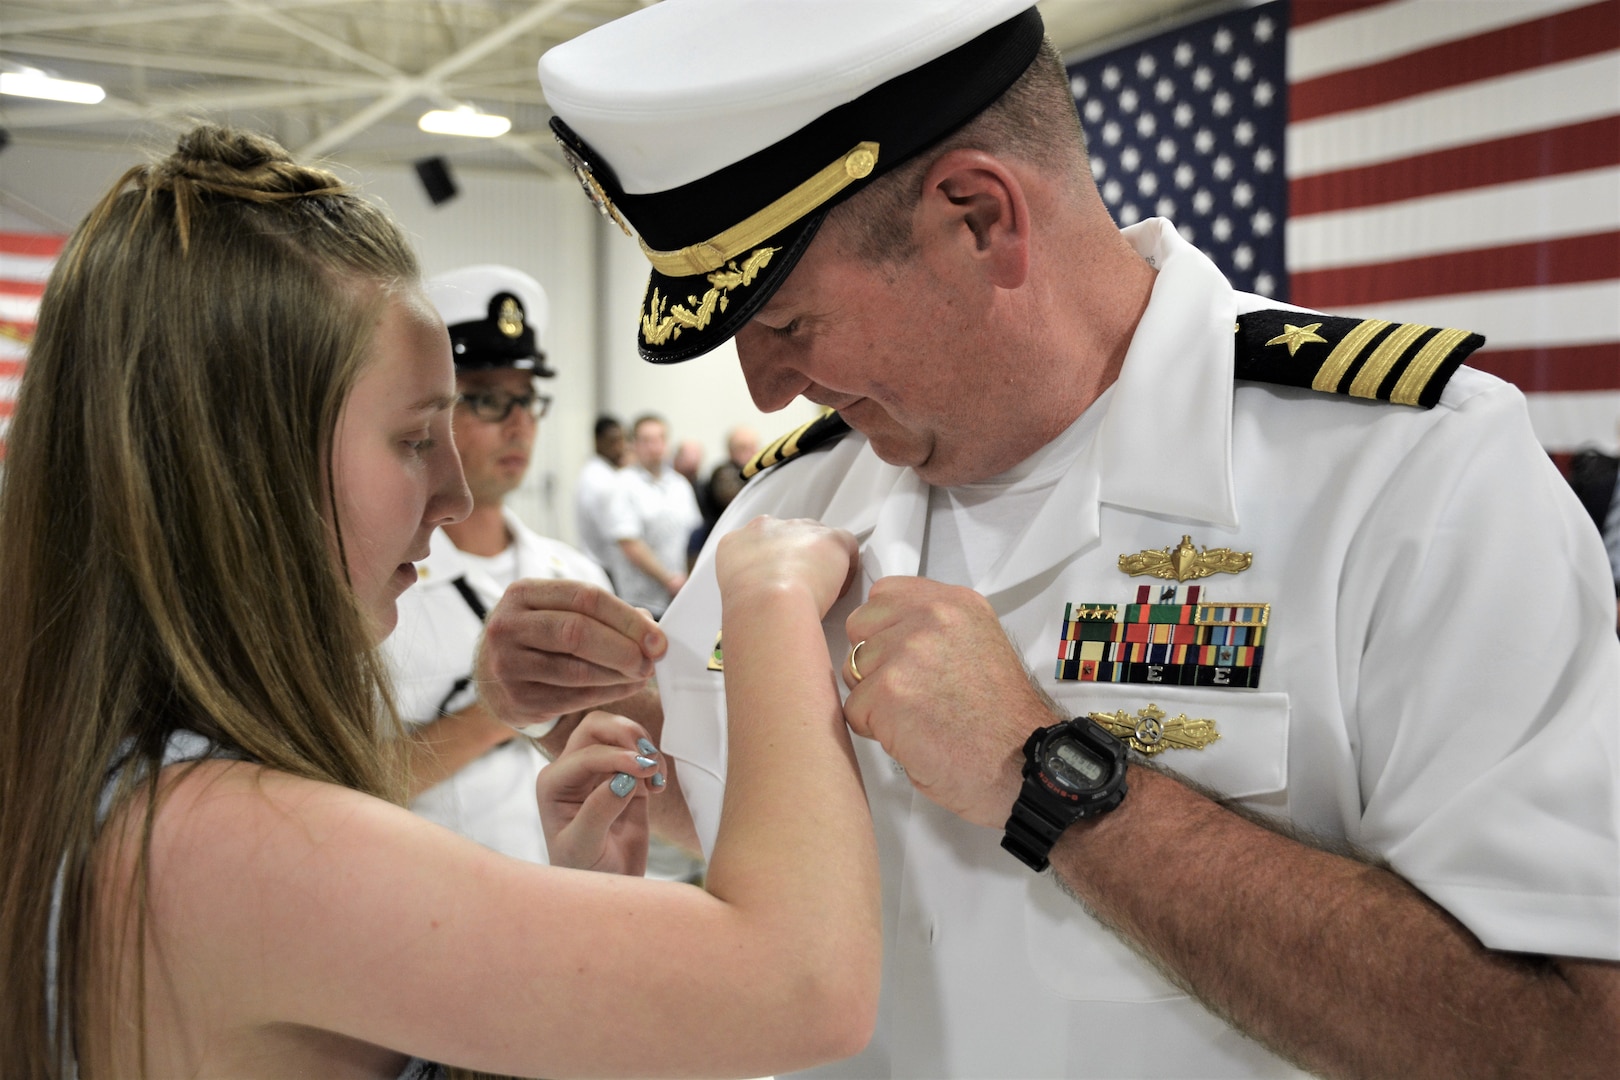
column 650, row 517
column 469, row 771
column 597, row 479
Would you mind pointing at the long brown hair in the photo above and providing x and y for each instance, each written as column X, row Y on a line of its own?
column 166, row 529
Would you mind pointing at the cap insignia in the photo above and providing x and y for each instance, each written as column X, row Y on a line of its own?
column 593, row 187
column 664, row 322
column 1151, row 732
column 1183, row 563
column 509, row 320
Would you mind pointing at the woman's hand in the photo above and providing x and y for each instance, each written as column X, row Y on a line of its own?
column 769, row 554
column 593, row 798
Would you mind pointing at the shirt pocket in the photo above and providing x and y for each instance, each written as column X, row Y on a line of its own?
column 1072, row 954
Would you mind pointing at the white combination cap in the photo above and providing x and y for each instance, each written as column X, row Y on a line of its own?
column 496, row 316
column 723, row 131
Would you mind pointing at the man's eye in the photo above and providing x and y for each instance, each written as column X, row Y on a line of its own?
column 786, row 331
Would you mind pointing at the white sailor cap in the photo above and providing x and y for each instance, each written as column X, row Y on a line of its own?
column 496, row 316
column 723, row 131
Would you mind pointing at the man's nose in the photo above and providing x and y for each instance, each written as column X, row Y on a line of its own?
column 772, row 382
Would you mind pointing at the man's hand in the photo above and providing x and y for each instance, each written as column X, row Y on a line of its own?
column 945, row 693
column 556, row 647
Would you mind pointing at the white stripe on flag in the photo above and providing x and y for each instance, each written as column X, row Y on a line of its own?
column 17, row 308
column 1517, row 104
column 1569, row 421
column 1546, row 316
column 1356, row 39
column 30, row 268
column 1575, row 204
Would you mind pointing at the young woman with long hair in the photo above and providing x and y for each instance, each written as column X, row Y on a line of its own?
column 232, row 439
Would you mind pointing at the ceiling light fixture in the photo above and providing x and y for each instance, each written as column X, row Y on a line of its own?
column 464, row 120
column 31, row 82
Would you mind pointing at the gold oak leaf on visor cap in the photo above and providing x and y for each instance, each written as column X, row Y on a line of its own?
column 723, row 131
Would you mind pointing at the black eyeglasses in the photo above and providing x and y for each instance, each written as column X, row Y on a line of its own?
column 494, row 407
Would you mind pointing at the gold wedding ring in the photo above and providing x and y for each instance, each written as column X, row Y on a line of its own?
column 853, row 670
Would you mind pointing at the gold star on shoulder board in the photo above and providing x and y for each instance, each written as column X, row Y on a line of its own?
column 1295, row 336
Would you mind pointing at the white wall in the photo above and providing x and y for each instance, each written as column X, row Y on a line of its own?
column 592, row 273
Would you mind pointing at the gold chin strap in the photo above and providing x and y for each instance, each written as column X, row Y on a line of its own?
column 715, row 252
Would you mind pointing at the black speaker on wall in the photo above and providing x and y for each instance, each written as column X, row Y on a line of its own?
column 434, row 172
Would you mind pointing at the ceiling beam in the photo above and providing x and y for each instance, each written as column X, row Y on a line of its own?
column 342, row 49
column 120, row 56
column 428, row 84
column 99, row 17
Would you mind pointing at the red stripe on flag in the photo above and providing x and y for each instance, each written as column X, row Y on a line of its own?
column 1567, row 35
column 1589, row 145
column 1309, row 11
column 1517, row 266
column 7, row 406
column 1567, row 369
column 48, row 244
column 35, row 289
column 11, row 369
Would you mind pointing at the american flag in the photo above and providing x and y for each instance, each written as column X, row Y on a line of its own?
column 1450, row 162
column 25, row 262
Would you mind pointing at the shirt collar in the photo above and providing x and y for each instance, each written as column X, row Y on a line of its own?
column 1165, row 444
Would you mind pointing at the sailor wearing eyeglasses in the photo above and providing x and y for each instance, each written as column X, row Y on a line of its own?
column 468, row 771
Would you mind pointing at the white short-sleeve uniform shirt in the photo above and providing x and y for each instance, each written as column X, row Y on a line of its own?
column 1440, row 680
column 659, row 510
column 431, row 651
column 592, row 493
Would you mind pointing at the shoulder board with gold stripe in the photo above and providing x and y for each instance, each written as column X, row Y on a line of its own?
column 824, row 430
column 1403, row 363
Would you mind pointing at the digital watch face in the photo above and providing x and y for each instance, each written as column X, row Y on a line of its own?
column 1070, row 766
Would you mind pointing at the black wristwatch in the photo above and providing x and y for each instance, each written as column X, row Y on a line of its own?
column 1072, row 770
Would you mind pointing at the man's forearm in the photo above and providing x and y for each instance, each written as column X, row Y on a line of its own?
column 1335, row 963
column 443, row 747
column 642, row 558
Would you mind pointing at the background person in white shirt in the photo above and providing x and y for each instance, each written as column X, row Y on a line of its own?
column 650, row 516
column 470, row 772
column 597, row 479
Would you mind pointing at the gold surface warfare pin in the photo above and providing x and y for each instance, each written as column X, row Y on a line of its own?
column 1184, row 563
column 1151, row 732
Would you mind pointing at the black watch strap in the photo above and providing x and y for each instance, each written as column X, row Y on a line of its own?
column 1030, row 833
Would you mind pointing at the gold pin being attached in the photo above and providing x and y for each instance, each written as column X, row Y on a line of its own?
column 1183, row 562
column 1150, row 732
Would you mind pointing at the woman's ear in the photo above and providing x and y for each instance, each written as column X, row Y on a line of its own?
column 973, row 199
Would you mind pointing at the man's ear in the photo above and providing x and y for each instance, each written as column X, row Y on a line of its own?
column 973, row 198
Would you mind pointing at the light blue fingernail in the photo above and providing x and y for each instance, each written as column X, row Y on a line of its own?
column 645, row 762
column 622, row 784
column 658, row 780
column 646, row 747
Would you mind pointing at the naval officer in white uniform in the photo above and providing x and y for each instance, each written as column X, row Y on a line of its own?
column 470, row 772
column 1117, row 519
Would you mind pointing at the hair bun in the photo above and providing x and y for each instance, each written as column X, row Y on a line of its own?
column 240, row 164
